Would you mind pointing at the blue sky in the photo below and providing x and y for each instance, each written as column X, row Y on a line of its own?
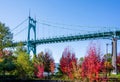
column 90, row 15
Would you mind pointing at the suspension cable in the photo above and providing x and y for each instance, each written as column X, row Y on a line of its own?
column 19, row 24
column 20, row 31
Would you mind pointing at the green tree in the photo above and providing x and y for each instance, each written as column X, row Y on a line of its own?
column 108, row 57
column 24, row 66
column 5, row 41
column 81, row 60
column 5, row 37
column 40, row 57
column 7, row 64
column 19, row 48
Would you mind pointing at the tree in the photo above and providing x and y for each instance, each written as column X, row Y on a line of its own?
column 20, row 48
column 44, row 63
column 118, row 62
column 39, row 65
column 91, row 64
column 52, row 66
column 106, row 64
column 49, row 63
column 108, row 57
column 108, row 67
column 5, row 37
column 59, row 72
column 24, row 66
column 81, row 60
column 68, row 62
column 39, row 70
column 6, row 63
column 76, row 71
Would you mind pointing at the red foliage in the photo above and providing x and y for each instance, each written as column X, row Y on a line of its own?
column 44, row 63
column 91, row 64
column 66, row 62
column 118, row 62
column 40, row 70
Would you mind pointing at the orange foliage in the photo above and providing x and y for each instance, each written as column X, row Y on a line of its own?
column 52, row 66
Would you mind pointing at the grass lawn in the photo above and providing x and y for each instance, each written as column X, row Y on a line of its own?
column 114, row 76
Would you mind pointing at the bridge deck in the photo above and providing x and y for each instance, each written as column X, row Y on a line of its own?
column 103, row 35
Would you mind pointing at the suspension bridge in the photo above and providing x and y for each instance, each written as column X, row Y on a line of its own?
column 32, row 43
column 114, row 35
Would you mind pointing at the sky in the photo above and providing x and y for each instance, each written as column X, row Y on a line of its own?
column 63, row 17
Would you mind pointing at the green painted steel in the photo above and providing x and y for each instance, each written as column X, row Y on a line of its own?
column 30, row 45
column 102, row 35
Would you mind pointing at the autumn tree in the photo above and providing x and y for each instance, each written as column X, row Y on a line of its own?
column 52, row 66
column 44, row 63
column 24, row 66
column 77, row 70
column 118, row 62
column 38, row 62
column 68, row 62
column 49, row 62
column 106, row 64
column 39, row 70
column 91, row 64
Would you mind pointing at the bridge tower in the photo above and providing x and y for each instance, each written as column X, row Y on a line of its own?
column 114, row 54
column 31, row 46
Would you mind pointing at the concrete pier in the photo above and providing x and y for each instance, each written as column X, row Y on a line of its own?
column 114, row 55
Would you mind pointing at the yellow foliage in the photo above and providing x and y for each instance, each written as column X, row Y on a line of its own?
column 76, row 71
column 1, row 59
column 108, row 65
column 24, row 64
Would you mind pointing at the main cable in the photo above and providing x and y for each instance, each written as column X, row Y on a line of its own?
column 60, row 27
column 92, row 27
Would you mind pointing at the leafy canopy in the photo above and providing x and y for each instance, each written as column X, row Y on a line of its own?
column 5, row 36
